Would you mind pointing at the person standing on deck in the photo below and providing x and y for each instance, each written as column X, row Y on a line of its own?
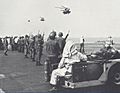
column 39, row 48
column 26, row 46
column 51, row 51
column 109, row 42
column 82, row 40
column 61, row 40
column 32, row 48
column 5, row 43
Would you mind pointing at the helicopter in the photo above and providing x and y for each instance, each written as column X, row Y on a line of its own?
column 65, row 10
column 28, row 20
column 42, row 19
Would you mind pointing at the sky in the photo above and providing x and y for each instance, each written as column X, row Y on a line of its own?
column 90, row 18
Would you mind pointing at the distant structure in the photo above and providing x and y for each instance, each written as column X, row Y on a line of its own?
column 101, row 42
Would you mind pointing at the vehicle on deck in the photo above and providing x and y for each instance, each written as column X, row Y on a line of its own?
column 97, row 70
column 101, row 67
column 92, row 73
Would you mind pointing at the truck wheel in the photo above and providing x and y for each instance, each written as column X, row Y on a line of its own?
column 114, row 76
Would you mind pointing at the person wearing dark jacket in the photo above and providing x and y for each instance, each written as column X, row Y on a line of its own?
column 52, row 48
column 26, row 46
column 5, row 43
column 39, row 47
column 51, row 52
column 1, row 44
column 61, row 41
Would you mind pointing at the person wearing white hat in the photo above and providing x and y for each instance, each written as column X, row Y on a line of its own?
column 70, row 56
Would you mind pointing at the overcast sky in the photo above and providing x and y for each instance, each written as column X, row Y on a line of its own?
column 91, row 18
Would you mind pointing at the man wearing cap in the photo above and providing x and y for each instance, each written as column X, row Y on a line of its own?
column 1, row 44
column 32, row 48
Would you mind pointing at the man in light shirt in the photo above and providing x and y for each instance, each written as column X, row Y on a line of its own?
column 109, row 42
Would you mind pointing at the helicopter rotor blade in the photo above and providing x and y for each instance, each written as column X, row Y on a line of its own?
column 63, row 6
column 59, row 7
column 62, row 10
column 41, row 17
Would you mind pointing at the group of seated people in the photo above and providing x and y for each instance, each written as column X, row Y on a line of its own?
column 71, row 55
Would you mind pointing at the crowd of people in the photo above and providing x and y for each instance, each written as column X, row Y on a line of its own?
column 34, row 46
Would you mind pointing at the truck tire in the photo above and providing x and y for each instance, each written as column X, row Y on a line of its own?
column 114, row 75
